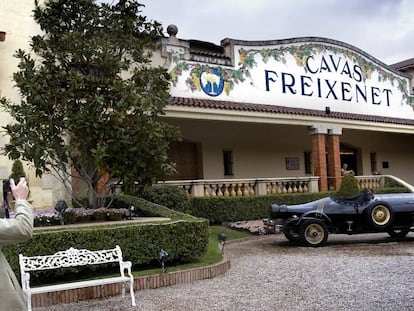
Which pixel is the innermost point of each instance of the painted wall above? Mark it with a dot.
(300, 72)
(17, 21)
(259, 150)
(394, 148)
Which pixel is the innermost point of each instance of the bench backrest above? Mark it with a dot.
(70, 258)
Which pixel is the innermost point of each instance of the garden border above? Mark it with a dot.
(140, 283)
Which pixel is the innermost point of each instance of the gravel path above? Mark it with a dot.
(364, 272)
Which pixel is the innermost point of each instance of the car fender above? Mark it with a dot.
(366, 208)
(315, 215)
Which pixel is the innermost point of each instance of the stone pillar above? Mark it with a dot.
(261, 188)
(334, 159)
(197, 190)
(319, 156)
(173, 49)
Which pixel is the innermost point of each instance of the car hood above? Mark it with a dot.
(282, 211)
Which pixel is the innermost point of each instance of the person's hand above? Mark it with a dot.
(21, 191)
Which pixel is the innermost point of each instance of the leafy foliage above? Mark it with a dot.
(225, 209)
(183, 237)
(17, 170)
(90, 98)
(169, 196)
(349, 186)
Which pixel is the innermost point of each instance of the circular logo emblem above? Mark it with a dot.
(212, 82)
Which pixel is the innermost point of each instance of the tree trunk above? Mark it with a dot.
(92, 198)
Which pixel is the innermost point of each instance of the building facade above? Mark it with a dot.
(287, 108)
(16, 28)
(252, 111)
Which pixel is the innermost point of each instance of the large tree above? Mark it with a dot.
(90, 99)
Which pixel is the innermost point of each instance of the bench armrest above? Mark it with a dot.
(125, 266)
(25, 281)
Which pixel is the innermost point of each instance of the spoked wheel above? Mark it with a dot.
(313, 233)
(398, 233)
(380, 216)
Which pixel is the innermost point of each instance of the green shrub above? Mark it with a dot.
(391, 190)
(349, 186)
(168, 195)
(17, 170)
(224, 209)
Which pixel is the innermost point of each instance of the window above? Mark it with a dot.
(373, 158)
(308, 162)
(228, 162)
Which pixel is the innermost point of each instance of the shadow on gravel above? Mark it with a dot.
(374, 244)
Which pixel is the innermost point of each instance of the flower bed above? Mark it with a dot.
(77, 215)
(80, 214)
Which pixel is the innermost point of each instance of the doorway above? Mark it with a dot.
(186, 156)
(349, 156)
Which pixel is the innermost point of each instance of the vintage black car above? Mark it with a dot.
(310, 223)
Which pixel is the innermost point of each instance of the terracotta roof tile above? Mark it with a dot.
(239, 106)
(409, 63)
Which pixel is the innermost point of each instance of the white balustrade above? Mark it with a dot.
(370, 182)
(267, 186)
(246, 187)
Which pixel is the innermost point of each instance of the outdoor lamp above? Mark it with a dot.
(222, 239)
(163, 257)
(60, 207)
(131, 211)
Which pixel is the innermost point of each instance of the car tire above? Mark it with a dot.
(380, 216)
(398, 233)
(313, 233)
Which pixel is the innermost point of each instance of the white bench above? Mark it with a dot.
(72, 258)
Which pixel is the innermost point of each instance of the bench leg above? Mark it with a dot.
(29, 301)
(131, 290)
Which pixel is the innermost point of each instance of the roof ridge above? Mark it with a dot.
(267, 108)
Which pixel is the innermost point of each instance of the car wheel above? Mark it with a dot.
(380, 216)
(398, 233)
(313, 233)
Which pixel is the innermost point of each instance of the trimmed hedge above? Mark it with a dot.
(225, 209)
(391, 190)
(184, 236)
(349, 186)
(168, 195)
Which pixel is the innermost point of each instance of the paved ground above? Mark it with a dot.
(363, 272)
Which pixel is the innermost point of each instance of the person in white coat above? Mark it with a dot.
(14, 230)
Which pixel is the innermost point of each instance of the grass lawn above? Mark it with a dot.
(212, 256)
